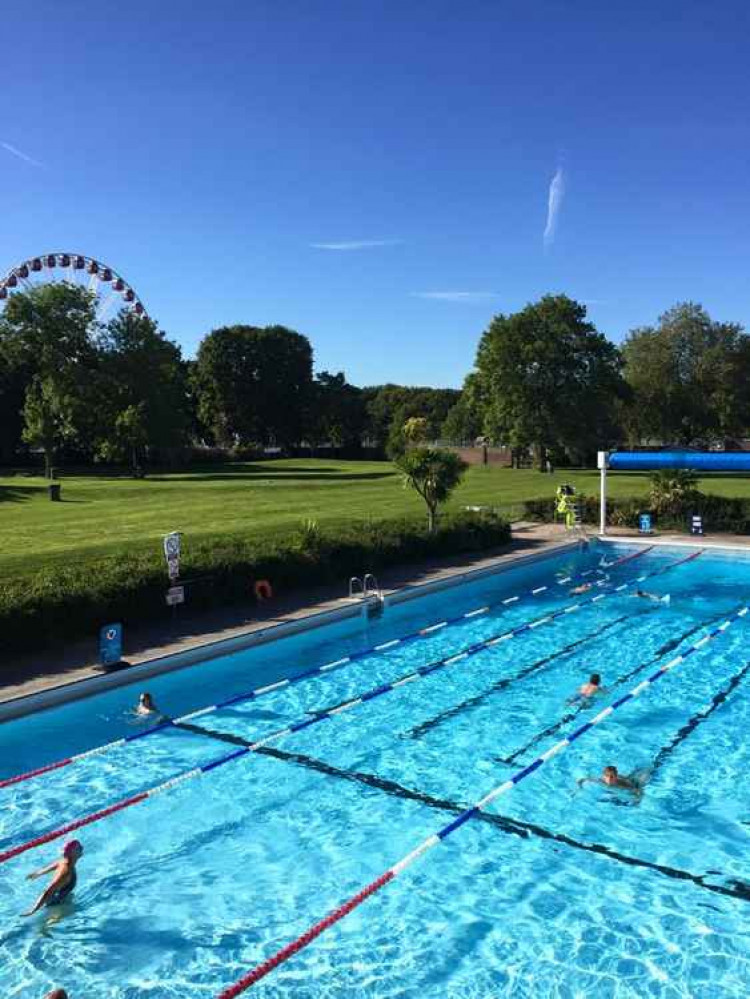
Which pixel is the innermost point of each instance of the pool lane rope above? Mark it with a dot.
(261, 970)
(317, 717)
(306, 675)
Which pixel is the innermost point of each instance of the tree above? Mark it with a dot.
(434, 474)
(390, 406)
(689, 378)
(463, 424)
(672, 491)
(547, 378)
(143, 403)
(47, 418)
(254, 384)
(50, 333)
(415, 430)
(14, 380)
(337, 411)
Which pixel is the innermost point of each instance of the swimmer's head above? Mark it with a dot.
(57, 994)
(609, 775)
(73, 849)
(595, 679)
(146, 701)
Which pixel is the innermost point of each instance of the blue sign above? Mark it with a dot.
(110, 644)
(644, 523)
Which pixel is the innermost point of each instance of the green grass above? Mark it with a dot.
(103, 515)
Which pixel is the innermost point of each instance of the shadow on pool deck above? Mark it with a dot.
(28, 674)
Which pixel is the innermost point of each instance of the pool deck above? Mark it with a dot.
(33, 673)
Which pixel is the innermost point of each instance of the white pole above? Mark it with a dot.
(603, 457)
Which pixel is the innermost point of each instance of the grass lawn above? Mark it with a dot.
(102, 515)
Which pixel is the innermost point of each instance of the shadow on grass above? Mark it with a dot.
(287, 473)
(17, 494)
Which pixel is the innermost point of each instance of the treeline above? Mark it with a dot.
(546, 381)
(121, 392)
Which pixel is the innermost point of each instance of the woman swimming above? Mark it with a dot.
(64, 880)
(146, 706)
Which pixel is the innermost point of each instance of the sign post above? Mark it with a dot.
(172, 554)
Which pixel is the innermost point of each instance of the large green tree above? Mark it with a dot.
(548, 379)
(254, 384)
(690, 376)
(390, 406)
(49, 333)
(143, 404)
(337, 411)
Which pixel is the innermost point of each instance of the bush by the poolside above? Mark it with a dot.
(719, 513)
(73, 601)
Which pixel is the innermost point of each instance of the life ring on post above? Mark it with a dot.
(263, 590)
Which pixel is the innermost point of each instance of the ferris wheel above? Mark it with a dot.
(109, 288)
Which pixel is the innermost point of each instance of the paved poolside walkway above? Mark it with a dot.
(29, 674)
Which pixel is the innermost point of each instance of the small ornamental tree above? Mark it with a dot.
(434, 474)
(673, 491)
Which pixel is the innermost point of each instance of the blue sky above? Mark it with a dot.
(377, 174)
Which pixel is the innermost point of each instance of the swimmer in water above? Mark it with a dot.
(643, 595)
(57, 994)
(64, 878)
(146, 706)
(611, 777)
(589, 689)
(583, 588)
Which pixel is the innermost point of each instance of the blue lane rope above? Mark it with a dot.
(298, 678)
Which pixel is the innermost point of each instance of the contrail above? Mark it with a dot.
(554, 201)
(21, 156)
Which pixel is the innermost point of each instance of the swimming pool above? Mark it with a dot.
(553, 891)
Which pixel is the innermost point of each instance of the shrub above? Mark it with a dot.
(74, 600)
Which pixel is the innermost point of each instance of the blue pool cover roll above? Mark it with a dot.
(702, 461)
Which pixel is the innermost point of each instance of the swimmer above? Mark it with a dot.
(57, 994)
(589, 689)
(582, 588)
(146, 706)
(643, 595)
(65, 877)
(611, 777)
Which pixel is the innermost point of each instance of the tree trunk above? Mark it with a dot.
(431, 518)
(47, 462)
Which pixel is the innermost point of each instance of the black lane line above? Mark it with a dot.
(514, 827)
(573, 714)
(697, 719)
(471, 702)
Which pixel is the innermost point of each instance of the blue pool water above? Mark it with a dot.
(558, 892)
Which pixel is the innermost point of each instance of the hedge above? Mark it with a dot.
(720, 513)
(73, 601)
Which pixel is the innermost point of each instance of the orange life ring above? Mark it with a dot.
(263, 590)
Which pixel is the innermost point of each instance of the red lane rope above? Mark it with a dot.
(71, 827)
(261, 970)
(34, 773)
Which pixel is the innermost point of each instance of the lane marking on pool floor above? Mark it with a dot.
(261, 970)
(278, 685)
(298, 726)
(576, 710)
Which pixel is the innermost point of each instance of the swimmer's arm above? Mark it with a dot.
(42, 870)
(587, 780)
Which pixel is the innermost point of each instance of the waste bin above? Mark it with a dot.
(54, 491)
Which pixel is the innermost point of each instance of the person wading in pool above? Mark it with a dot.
(146, 706)
(64, 877)
(589, 689)
(611, 777)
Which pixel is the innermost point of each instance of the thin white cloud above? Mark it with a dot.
(356, 244)
(456, 296)
(554, 203)
(21, 155)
